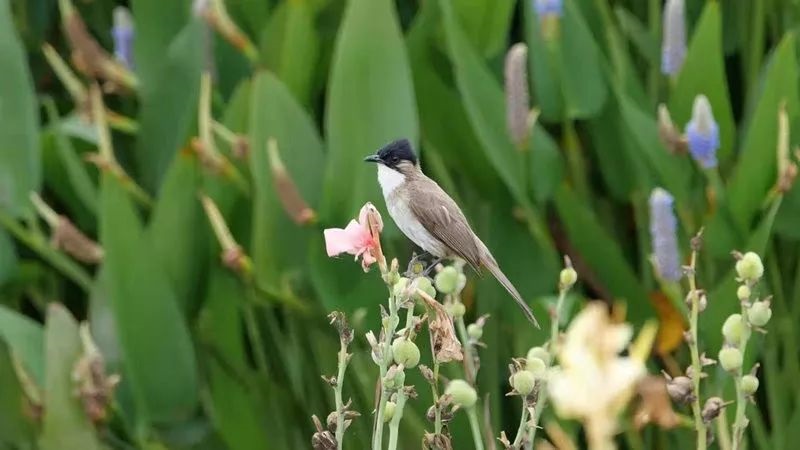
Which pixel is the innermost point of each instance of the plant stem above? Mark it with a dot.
(388, 333)
(437, 425)
(337, 393)
(394, 424)
(741, 422)
(523, 423)
(469, 360)
(699, 425)
(476, 428)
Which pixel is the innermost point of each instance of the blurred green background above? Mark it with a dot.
(214, 358)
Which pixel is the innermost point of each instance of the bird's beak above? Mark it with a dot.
(372, 158)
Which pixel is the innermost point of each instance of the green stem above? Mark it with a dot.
(388, 334)
(699, 425)
(475, 427)
(523, 423)
(256, 340)
(38, 244)
(394, 424)
(741, 422)
(437, 425)
(469, 360)
(337, 392)
(575, 161)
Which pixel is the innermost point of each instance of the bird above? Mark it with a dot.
(430, 218)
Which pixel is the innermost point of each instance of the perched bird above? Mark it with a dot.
(429, 217)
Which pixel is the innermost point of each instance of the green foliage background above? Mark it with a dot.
(332, 81)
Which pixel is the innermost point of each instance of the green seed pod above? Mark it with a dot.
(523, 382)
(743, 293)
(405, 352)
(462, 393)
(388, 411)
(455, 309)
(567, 277)
(447, 280)
(759, 313)
(733, 328)
(750, 268)
(536, 366)
(730, 358)
(749, 384)
(400, 288)
(475, 331)
(424, 284)
(540, 353)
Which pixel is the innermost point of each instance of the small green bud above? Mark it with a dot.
(395, 378)
(447, 280)
(759, 313)
(730, 358)
(462, 393)
(424, 284)
(749, 267)
(523, 382)
(399, 288)
(455, 309)
(405, 352)
(536, 366)
(462, 281)
(743, 293)
(567, 278)
(475, 331)
(733, 328)
(540, 353)
(749, 384)
(392, 277)
(388, 411)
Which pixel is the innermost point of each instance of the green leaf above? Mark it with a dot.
(158, 353)
(602, 255)
(277, 241)
(755, 171)
(177, 242)
(370, 103)
(703, 72)
(16, 430)
(8, 257)
(65, 423)
(169, 105)
(485, 104)
(157, 23)
(20, 171)
(26, 340)
(486, 23)
(290, 47)
(636, 32)
(237, 410)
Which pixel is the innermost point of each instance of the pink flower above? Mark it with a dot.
(359, 238)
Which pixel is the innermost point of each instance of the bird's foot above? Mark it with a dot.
(416, 266)
(431, 266)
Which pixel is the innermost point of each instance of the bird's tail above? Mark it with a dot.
(492, 266)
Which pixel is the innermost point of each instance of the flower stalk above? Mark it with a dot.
(697, 369)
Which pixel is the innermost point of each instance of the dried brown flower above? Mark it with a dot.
(446, 346)
(655, 405)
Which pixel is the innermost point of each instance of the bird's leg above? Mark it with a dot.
(417, 258)
(433, 264)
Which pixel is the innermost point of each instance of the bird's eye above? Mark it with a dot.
(395, 159)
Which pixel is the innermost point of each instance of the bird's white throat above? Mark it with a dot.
(389, 179)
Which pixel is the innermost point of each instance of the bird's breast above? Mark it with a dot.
(407, 221)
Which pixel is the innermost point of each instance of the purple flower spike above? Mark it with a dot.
(548, 7)
(702, 134)
(123, 34)
(663, 233)
(673, 45)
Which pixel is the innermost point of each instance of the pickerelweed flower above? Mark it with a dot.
(673, 43)
(594, 383)
(548, 8)
(663, 233)
(359, 238)
(122, 32)
(702, 133)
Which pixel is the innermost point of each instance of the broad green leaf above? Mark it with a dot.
(16, 430)
(602, 256)
(485, 104)
(703, 72)
(157, 23)
(158, 352)
(237, 409)
(755, 171)
(20, 171)
(486, 23)
(370, 103)
(65, 423)
(277, 242)
(26, 340)
(169, 105)
(636, 32)
(546, 170)
(722, 300)
(178, 243)
(290, 47)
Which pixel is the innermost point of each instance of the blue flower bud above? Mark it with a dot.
(702, 134)
(548, 7)
(673, 44)
(122, 33)
(663, 229)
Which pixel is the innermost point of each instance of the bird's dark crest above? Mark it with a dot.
(400, 149)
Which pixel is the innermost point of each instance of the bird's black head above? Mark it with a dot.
(394, 154)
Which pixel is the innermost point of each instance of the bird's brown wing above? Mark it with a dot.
(440, 215)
